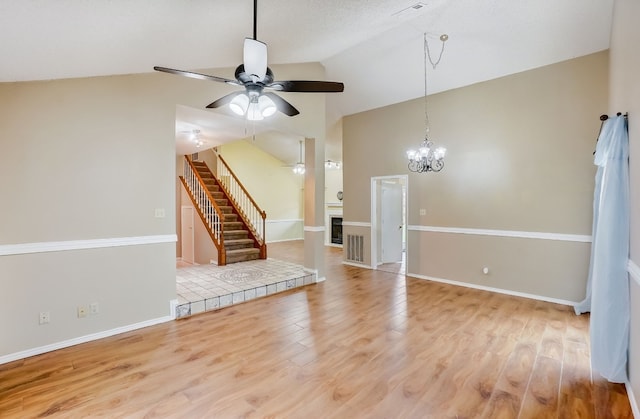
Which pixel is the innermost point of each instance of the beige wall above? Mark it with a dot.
(273, 185)
(91, 159)
(519, 159)
(84, 159)
(332, 184)
(625, 97)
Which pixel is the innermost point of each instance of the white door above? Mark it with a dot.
(391, 222)
(187, 234)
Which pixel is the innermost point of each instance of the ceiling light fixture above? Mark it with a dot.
(330, 164)
(195, 138)
(299, 169)
(254, 106)
(427, 158)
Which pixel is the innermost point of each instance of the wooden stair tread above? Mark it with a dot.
(238, 241)
(244, 251)
(238, 244)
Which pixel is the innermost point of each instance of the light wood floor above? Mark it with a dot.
(363, 343)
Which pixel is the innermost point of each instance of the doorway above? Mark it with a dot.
(388, 223)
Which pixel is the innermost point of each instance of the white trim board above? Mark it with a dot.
(42, 247)
(355, 224)
(293, 220)
(314, 228)
(504, 233)
(496, 290)
(357, 265)
(634, 273)
(632, 400)
(285, 240)
(91, 337)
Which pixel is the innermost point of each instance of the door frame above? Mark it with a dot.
(375, 198)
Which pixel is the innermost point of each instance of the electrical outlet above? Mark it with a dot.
(160, 213)
(423, 211)
(82, 311)
(45, 317)
(94, 308)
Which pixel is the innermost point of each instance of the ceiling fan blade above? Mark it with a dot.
(224, 100)
(255, 58)
(282, 105)
(196, 75)
(308, 86)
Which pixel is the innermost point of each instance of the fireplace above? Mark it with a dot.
(336, 230)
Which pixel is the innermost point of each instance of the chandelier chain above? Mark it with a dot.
(443, 38)
(426, 110)
(427, 158)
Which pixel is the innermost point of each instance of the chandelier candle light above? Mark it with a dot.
(427, 158)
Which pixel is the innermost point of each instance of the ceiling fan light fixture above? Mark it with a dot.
(267, 107)
(253, 112)
(239, 104)
(254, 75)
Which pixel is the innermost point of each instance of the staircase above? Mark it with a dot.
(235, 239)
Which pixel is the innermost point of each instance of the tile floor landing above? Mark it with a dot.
(203, 288)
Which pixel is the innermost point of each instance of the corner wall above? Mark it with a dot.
(625, 97)
(516, 191)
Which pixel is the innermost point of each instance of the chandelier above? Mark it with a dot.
(330, 164)
(298, 169)
(428, 158)
(195, 138)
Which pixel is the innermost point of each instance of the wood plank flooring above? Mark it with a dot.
(362, 344)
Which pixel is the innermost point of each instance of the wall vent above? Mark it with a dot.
(355, 248)
(411, 11)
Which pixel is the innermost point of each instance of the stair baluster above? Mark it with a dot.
(248, 209)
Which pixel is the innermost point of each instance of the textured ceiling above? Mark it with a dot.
(376, 52)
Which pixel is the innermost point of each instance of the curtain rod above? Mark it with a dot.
(604, 117)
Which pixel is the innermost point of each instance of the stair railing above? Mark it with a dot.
(206, 206)
(247, 208)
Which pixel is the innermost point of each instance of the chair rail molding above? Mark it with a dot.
(59, 246)
(504, 233)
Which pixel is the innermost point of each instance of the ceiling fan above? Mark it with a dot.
(256, 77)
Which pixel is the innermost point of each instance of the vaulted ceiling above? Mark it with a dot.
(373, 46)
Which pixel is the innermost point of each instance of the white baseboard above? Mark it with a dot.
(632, 400)
(496, 290)
(357, 265)
(285, 240)
(91, 337)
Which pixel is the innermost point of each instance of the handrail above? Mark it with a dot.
(206, 206)
(246, 206)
